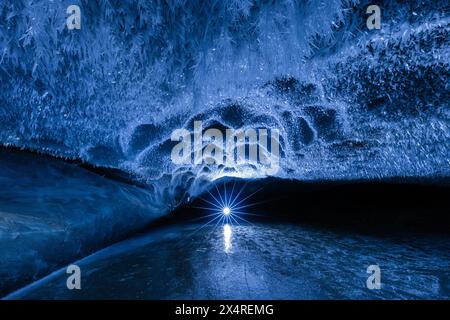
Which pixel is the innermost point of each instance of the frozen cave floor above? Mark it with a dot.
(256, 261)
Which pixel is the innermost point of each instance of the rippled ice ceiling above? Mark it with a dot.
(350, 103)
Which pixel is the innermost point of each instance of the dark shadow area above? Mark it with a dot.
(396, 205)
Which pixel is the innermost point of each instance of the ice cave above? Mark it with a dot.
(88, 116)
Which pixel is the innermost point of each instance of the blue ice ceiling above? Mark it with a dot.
(350, 103)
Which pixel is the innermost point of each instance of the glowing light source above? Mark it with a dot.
(226, 208)
(226, 211)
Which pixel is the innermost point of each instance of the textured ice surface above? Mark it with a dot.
(349, 102)
(52, 212)
(258, 261)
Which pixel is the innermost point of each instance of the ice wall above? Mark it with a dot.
(52, 212)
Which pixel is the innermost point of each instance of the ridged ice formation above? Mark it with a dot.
(350, 103)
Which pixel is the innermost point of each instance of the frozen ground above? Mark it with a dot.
(257, 261)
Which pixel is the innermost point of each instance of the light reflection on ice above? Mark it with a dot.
(227, 233)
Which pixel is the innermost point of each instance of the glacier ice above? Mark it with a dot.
(350, 103)
(52, 212)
